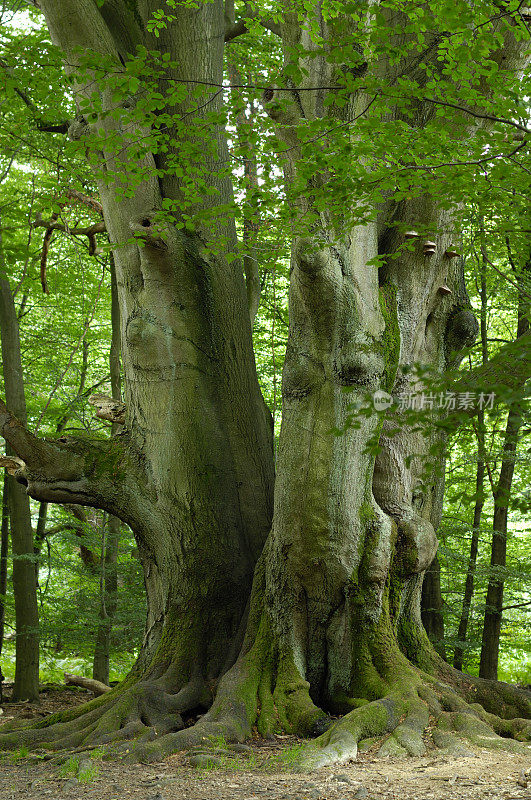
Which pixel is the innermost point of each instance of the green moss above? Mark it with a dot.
(178, 647)
(341, 703)
(395, 590)
(70, 714)
(297, 713)
(391, 337)
(133, 6)
(106, 460)
(364, 745)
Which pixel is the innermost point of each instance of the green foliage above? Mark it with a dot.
(70, 767)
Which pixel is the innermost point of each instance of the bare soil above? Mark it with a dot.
(262, 772)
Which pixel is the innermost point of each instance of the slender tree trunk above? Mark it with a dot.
(108, 599)
(432, 606)
(109, 553)
(40, 535)
(468, 594)
(480, 476)
(24, 580)
(490, 645)
(4, 553)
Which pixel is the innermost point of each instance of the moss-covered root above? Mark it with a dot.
(404, 717)
(405, 720)
(456, 731)
(140, 710)
(264, 688)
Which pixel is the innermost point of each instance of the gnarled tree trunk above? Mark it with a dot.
(192, 471)
(334, 615)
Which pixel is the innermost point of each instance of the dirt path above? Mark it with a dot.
(493, 775)
(489, 775)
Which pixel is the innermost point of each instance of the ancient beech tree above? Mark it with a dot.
(276, 617)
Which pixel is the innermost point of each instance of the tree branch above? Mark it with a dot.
(27, 446)
(45, 126)
(70, 470)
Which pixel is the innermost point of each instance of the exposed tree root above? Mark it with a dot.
(416, 712)
(138, 710)
(411, 723)
(408, 712)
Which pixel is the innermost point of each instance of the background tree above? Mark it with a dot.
(24, 578)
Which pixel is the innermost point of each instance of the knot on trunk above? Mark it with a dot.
(309, 257)
(78, 128)
(148, 232)
(461, 331)
(12, 464)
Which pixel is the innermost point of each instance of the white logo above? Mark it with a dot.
(381, 400)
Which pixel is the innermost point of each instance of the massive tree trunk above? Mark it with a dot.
(334, 616)
(192, 471)
(26, 685)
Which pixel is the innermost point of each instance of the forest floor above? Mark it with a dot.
(261, 771)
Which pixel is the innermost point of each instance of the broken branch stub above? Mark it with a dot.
(12, 464)
(108, 409)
